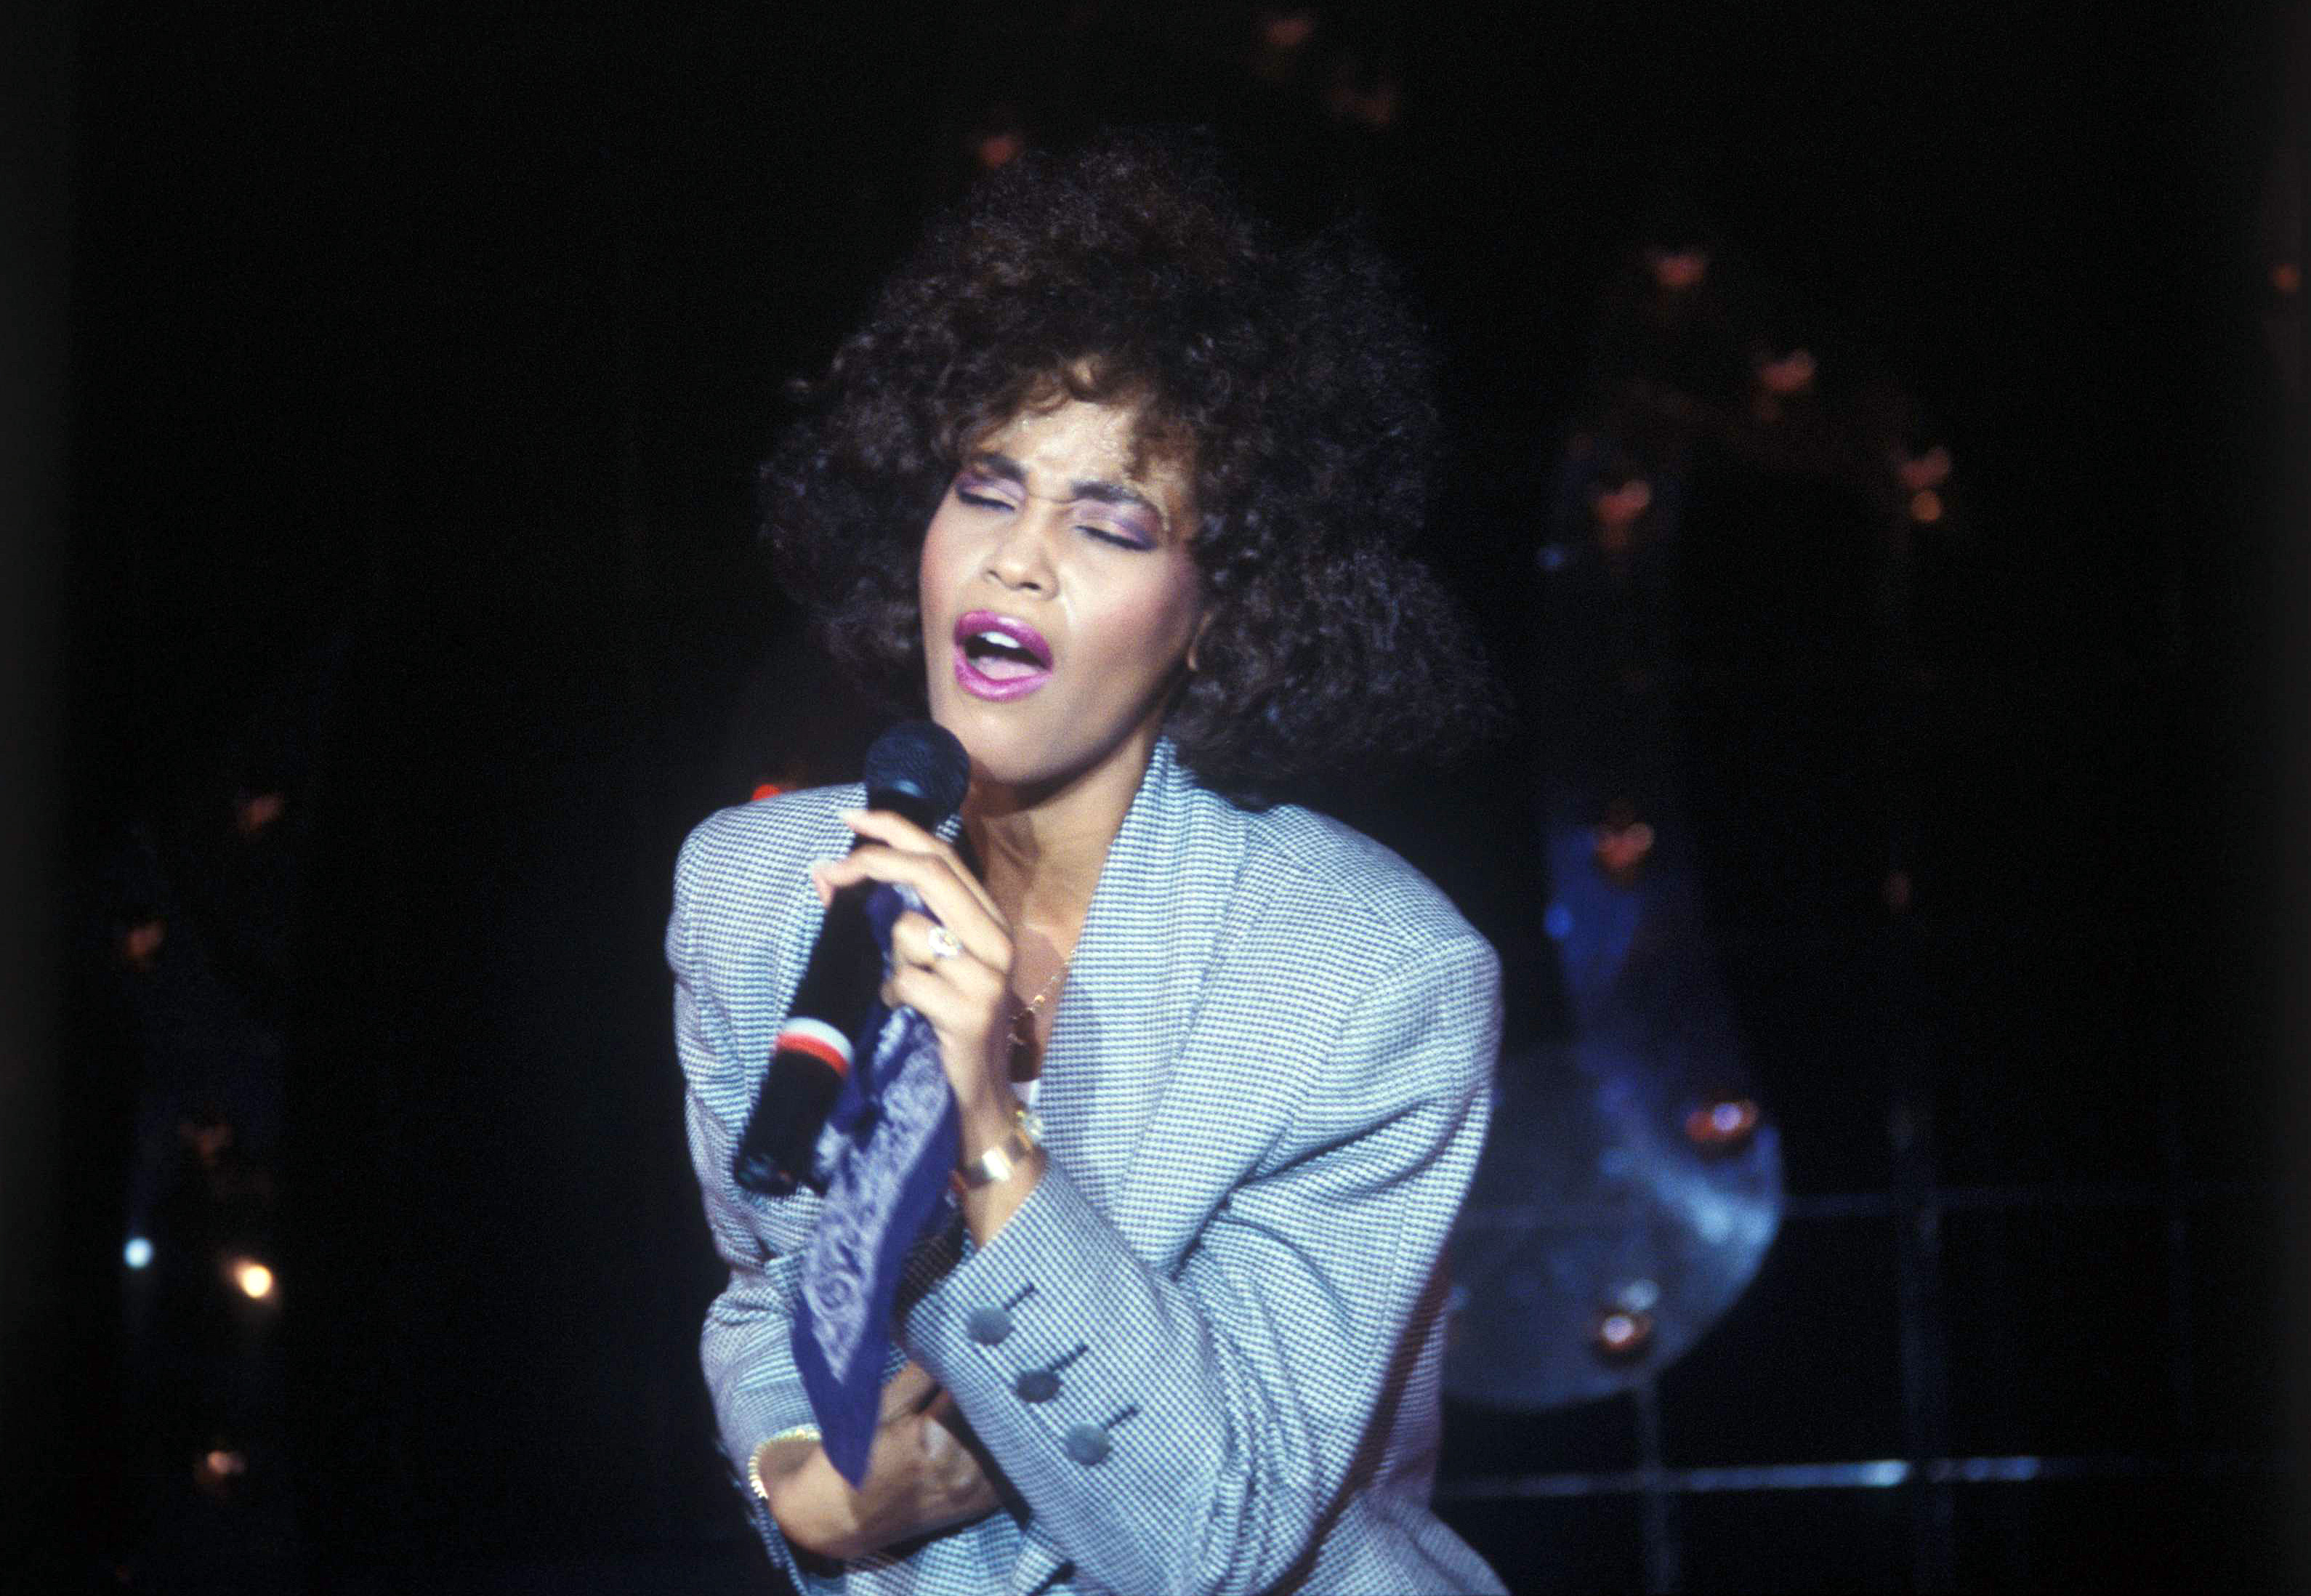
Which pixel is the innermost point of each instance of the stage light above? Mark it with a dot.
(140, 944)
(1287, 30)
(2287, 277)
(254, 1279)
(1928, 470)
(1617, 512)
(1792, 373)
(215, 1471)
(138, 1253)
(1621, 1334)
(206, 1137)
(1723, 1124)
(1925, 507)
(1638, 1296)
(1620, 846)
(253, 815)
(764, 790)
(1625, 503)
(1676, 270)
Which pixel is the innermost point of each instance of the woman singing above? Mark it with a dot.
(1112, 481)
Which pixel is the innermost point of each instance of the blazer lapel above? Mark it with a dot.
(1131, 991)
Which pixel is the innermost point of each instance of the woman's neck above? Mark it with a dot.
(1041, 854)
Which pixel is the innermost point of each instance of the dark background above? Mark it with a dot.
(418, 361)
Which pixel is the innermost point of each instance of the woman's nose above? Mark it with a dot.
(1022, 559)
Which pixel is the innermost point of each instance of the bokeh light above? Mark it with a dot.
(252, 1277)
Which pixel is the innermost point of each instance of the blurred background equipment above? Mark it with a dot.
(1619, 1211)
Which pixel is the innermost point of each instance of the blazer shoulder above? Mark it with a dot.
(735, 845)
(1331, 869)
(739, 862)
(1395, 996)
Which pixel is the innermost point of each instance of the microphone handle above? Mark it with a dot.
(813, 1053)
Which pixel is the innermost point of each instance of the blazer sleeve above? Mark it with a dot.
(1209, 1422)
(744, 1346)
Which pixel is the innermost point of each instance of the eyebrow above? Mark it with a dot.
(1099, 492)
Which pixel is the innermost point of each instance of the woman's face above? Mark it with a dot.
(1059, 599)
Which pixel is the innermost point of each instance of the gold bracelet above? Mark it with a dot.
(1000, 1163)
(755, 1463)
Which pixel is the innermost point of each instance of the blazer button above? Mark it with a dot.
(1088, 1444)
(988, 1325)
(1041, 1385)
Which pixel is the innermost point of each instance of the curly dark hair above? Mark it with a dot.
(1290, 374)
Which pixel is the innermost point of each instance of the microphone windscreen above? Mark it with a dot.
(921, 762)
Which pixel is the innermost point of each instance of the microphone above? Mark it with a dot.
(918, 769)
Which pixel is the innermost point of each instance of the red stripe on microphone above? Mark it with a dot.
(819, 1042)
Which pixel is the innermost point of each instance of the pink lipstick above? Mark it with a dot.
(998, 657)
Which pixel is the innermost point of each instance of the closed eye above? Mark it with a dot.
(1119, 539)
(983, 501)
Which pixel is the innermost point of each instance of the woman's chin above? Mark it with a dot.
(1030, 751)
(1000, 755)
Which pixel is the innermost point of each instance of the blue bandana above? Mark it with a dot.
(885, 1153)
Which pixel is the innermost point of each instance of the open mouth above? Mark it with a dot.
(999, 657)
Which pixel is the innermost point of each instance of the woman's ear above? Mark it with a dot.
(1203, 624)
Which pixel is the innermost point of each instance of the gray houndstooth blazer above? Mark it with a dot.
(1266, 1090)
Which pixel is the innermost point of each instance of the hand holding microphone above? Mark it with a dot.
(916, 771)
(952, 965)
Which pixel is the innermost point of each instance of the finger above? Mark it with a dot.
(907, 1390)
(888, 825)
(960, 1479)
(950, 899)
(964, 878)
(918, 939)
(896, 830)
(942, 1411)
(962, 1001)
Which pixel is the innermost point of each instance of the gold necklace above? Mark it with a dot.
(1023, 1023)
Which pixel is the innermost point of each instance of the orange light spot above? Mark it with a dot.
(253, 815)
(141, 943)
(214, 1471)
(1624, 504)
(1928, 470)
(1621, 849)
(1723, 1124)
(1793, 373)
(2287, 277)
(768, 789)
(1621, 1333)
(254, 1279)
(1675, 271)
(1926, 506)
(1286, 30)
